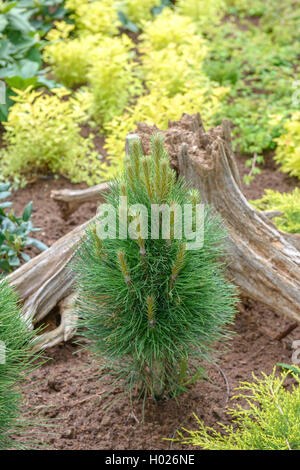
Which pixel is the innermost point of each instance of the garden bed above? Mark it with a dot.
(66, 393)
(95, 69)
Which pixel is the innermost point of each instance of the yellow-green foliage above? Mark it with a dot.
(168, 28)
(60, 30)
(288, 203)
(172, 54)
(138, 11)
(173, 74)
(71, 58)
(175, 68)
(256, 7)
(113, 77)
(157, 108)
(288, 149)
(270, 421)
(95, 16)
(43, 134)
(204, 12)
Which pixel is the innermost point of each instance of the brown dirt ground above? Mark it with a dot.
(65, 392)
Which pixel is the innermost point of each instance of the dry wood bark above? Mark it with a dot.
(69, 200)
(44, 282)
(265, 263)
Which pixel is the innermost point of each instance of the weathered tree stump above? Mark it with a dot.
(265, 263)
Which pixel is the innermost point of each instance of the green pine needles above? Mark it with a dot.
(16, 361)
(148, 306)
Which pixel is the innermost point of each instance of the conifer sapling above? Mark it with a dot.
(16, 362)
(149, 306)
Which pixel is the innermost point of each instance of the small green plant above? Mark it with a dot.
(269, 421)
(150, 307)
(70, 58)
(43, 134)
(113, 78)
(254, 169)
(206, 13)
(14, 233)
(22, 27)
(185, 62)
(168, 28)
(16, 362)
(94, 16)
(288, 149)
(287, 203)
(136, 11)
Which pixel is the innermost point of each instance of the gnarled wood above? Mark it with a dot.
(265, 263)
(67, 328)
(69, 200)
(44, 282)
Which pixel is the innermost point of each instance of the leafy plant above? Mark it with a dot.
(16, 362)
(260, 72)
(287, 203)
(186, 68)
(290, 367)
(113, 78)
(43, 134)
(150, 307)
(288, 149)
(136, 11)
(168, 28)
(269, 421)
(206, 13)
(254, 169)
(14, 233)
(70, 58)
(95, 17)
(22, 25)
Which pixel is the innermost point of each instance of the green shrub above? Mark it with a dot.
(185, 63)
(69, 60)
(137, 11)
(94, 17)
(288, 147)
(22, 26)
(14, 233)
(70, 57)
(168, 28)
(148, 306)
(16, 362)
(269, 421)
(42, 134)
(287, 203)
(260, 71)
(113, 78)
(206, 13)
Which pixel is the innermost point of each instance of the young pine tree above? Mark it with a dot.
(16, 361)
(151, 308)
